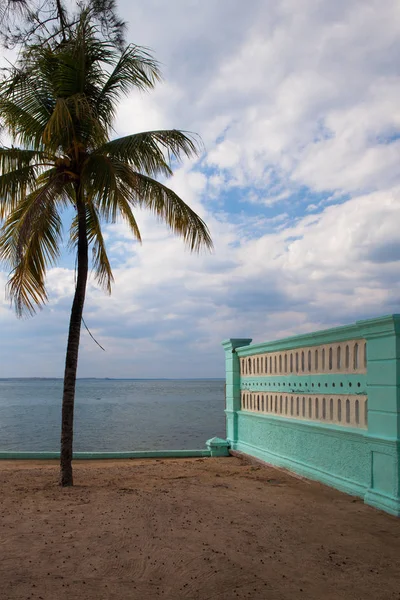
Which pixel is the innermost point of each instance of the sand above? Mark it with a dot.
(193, 528)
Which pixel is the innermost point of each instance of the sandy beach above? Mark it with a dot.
(200, 529)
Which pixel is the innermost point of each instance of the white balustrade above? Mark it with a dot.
(343, 357)
(337, 409)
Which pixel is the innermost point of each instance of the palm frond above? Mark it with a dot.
(18, 172)
(127, 215)
(59, 128)
(14, 186)
(136, 68)
(108, 182)
(54, 91)
(59, 103)
(99, 181)
(90, 130)
(173, 211)
(29, 243)
(151, 152)
(24, 126)
(101, 264)
(14, 158)
(26, 102)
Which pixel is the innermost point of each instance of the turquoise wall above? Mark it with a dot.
(335, 456)
(363, 462)
(215, 447)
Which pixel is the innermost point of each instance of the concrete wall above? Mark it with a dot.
(326, 405)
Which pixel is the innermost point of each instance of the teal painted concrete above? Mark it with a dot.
(234, 343)
(108, 455)
(365, 463)
(383, 384)
(304, 384)
(218, 446)
(384, 398)
(321, 428)
(383, 424)
(339, 334)
(384, 372)
(387, 326)
(331, 454)
(232, 388)
(309, 449)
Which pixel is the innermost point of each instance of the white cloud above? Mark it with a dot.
(290, 97)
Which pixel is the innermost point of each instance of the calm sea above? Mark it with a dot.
(113, 415)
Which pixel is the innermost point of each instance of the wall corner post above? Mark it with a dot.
(383, 388)
(232, 385)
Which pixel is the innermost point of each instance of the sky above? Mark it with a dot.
(297, 103)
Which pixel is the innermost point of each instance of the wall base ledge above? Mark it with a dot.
(393, 443)
(384, 502)
(317, 427)
(106, 455)
(344, 485)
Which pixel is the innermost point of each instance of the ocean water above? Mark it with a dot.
(112, 414)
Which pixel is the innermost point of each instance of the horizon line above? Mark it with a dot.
(120, 378)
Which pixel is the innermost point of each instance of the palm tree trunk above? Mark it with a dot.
(71, 360)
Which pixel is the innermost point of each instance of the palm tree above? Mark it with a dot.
(59, 104)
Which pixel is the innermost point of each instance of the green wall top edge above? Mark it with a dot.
(387, 324)
(105, 455)
(315, 338)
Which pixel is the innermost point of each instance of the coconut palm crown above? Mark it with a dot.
(59, 104)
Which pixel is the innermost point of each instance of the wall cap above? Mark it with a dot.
(380, 326)
(233, 343)
(217, 442)
(369, 328)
